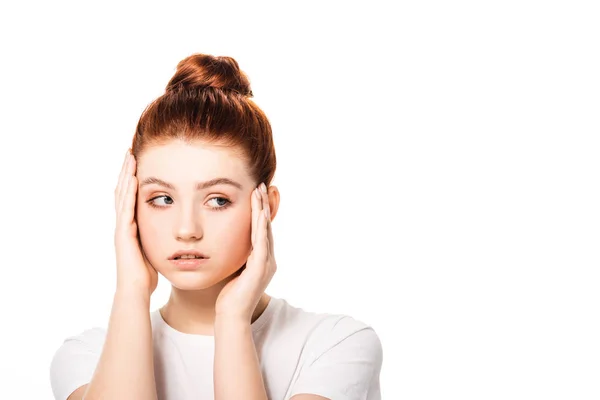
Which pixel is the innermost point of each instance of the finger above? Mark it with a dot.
(256, 209)
(261, 249)
(253, 205)
(266, 209)
(128, 205)
(270, 236)
(132, 196)
(267, 213)
(265, 199)
(266, 229)
(129, 195)
(125, 185)
(127, 173)
(119, 187)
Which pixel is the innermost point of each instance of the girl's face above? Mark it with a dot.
(172, 214)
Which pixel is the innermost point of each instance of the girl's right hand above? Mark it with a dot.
(134, 272)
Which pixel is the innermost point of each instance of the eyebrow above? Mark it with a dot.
(199, 185)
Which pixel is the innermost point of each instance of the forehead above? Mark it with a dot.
(179, 161)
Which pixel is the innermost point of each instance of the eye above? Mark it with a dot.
(153, 204)
(222, 204)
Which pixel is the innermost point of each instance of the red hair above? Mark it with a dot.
(209, 100)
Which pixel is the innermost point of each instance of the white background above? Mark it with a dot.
(438, 164)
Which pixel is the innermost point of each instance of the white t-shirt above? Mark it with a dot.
(334, 356)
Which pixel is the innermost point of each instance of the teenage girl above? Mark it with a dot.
(194, 203)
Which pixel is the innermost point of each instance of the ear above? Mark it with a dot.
(274, 198)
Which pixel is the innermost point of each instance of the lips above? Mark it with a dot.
(197, 255)
(189, 258)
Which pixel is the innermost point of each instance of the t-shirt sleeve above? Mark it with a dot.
(345, 363)
(74, 362)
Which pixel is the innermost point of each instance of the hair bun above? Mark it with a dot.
(199, 71)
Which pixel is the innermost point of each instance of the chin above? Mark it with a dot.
(191, 284)
(197, 279)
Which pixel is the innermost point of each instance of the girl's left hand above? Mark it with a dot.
(239, 298)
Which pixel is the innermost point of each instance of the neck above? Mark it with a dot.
(193, 311)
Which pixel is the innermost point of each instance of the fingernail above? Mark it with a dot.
(257, 194)
(263, 187)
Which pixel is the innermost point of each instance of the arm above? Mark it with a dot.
(121, 366)
(235, 353)
(126, 366)
(78, 393)
(236, 367)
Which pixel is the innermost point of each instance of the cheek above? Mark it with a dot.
(234, 230)
(149, 231)
(148, 234)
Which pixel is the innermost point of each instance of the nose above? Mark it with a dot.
(189, 227)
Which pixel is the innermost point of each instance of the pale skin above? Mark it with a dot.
(231, 224)
(222, 221)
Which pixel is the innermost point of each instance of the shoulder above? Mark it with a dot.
(334, 323)
(75, 360)
(347, 336)
(89, 340)
(341, 358)
(325, 331)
